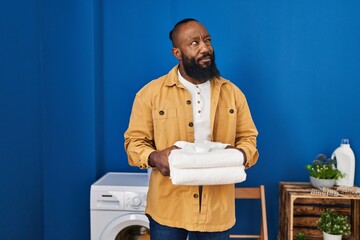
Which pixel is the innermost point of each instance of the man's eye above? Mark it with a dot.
(208, 40)
(194, 43)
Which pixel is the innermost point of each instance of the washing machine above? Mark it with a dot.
(117, 207)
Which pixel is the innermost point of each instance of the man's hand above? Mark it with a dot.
(159, 159)
(242, 151)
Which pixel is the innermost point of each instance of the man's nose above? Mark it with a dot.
(205, 47)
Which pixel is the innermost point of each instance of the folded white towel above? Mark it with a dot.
(207, 176)
(205, 146)
(180, 158)
(208, 163)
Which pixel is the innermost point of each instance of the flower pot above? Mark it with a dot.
(328, 236)
(319, 183)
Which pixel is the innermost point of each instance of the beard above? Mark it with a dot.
(195, 70)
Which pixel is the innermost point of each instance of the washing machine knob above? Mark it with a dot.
(136, 201)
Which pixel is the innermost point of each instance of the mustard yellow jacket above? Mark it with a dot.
(162, 115)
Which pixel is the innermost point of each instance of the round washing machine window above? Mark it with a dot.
(134, 233)
(128, 227)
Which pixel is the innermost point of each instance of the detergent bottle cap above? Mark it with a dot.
(345, 141)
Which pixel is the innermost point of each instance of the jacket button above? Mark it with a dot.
(188, 102)
(196, 196)
(191, 124)
(231, 110)
(161, 112)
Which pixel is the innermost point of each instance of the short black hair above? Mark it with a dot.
(175, 29)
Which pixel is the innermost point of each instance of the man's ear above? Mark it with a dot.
(176, 52)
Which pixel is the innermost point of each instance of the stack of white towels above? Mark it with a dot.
(207, 163)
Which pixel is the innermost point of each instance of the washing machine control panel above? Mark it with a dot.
(135, 201)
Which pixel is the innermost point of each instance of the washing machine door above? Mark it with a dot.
(127, 227)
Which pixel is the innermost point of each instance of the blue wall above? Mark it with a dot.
(21, 189)
(68, 117)
(48, 119)
(70, 69)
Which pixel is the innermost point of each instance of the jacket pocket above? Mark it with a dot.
(166, 128)
(225, 125)
(228, 112)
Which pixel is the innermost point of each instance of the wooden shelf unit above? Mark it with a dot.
(299, 211)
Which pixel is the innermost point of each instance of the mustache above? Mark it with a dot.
(205, 56)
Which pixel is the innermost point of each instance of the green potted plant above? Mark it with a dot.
(323, 172)
(333, 225)
(300, 236)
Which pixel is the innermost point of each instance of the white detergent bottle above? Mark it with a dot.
(345, 159)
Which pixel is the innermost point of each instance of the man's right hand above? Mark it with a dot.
(160, 160)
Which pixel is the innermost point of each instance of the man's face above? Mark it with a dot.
(201, 72)
(197, 53)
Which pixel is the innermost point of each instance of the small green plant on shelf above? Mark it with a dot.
(300, 236)
(334, 223)
(324, 168)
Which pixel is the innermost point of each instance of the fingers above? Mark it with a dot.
(160, 160)
(229, 146)
(165, 171)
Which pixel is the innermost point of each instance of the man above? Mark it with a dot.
(191, 103)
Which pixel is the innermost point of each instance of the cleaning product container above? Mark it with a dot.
(345, 159)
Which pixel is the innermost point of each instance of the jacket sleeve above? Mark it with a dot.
(246, 132)
(139, 135)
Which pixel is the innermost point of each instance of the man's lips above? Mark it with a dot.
(205, 59)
